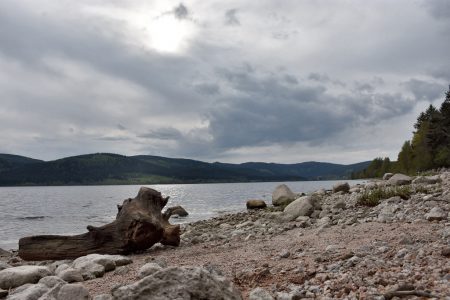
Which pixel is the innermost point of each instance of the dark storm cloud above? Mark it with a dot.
(318, 77)
(364, 87)
(113, 138)
(290, 79)
(207, 88)
(163, 133)
(442, 73)
(425, 91)
(181, 12)
(439, 8)
(231, 18)
(270, 112)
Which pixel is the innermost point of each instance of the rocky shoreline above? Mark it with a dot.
(386, 239)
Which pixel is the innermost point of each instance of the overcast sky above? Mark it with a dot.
(232, 81)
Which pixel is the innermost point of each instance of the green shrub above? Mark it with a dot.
(373, 197)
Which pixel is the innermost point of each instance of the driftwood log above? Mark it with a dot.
(139, 224)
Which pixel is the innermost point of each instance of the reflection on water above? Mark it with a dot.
(68, 210)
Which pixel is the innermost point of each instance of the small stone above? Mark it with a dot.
(256, 204)
(387, 176)
(446, 252)
(436, 214)
(401, 253)
(122, 270)
(157, 260)
(285, 254)
(71, 275)
(259, 294)
(331, 248)
(103, 297)
(148, 269)
(340, 204)
(51, 281)
(74, 291)
(341, 187)
(248, 237)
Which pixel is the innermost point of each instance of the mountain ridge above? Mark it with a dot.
(110, 168)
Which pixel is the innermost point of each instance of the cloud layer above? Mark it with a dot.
(234, 81)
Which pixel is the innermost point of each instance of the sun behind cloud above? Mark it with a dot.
(168, 34)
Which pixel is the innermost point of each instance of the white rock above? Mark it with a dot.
(120, 260)
(17, 276)
(387, 176)
(71, 275)
(29, 292)
(341, 187)
(183, 283)
(259, 294)
(436, 214)
(148, 269)
(61, 268)
(427, 179)
(103, 297)
(51, 281)
(107, 261)
(282, 195)
(399, 179)
(302, 206)
(74, 291)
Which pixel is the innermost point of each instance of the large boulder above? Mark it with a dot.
(303, 206)
(17, 276)
(387, 176)
(180, 283)
(29, 292)
(282, 195)
(399, 179)
(95, 265)
(341, 187)
(256, 204)
(427, 180)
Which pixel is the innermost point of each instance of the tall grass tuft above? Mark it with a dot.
(374, 197)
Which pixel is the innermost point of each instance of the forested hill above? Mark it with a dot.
(105, 168)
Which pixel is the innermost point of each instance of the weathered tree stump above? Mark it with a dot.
(139, 225)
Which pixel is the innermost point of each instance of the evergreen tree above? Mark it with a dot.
(405, 158)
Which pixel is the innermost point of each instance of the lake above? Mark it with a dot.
(28, 211)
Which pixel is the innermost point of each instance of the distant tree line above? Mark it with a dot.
(428, 149)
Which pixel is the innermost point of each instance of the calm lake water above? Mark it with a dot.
(28, 211)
